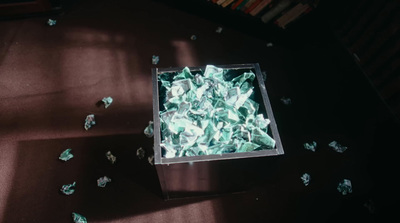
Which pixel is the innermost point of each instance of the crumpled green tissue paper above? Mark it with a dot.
(155, 59)
(140, 153)
(66, 155)
(306, 179)
(89, 121)
(337, 147)
(209, 112)
(111, 157)
(68, 189)
(345, 187)
(51, 22)
(102, 181)
(107, 101)
(77, 218)
(149, 130)
(310, 146)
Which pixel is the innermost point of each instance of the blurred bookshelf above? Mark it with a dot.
(272, 20)
(282, 13)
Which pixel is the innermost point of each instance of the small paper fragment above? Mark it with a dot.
(66, 155)
(310, 146)
(140, 153)
(286, 101)
(151, 159)
(68, 189)
(107, 101)
(149, 130)
(306, 179)
(51, 22)
(155, 59)
(337, 147)
(218, 30)
(102, 181)
(89, 121)
(111, 157)
(345, 187)
(78, 218)
(270, 44)
(193, 37)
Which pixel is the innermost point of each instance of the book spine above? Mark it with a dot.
(236, 4)
(289, 14)
(226, 3)
(219, 2)
(274, 11)
(252, 6)
(241, 4)
(259, 7)
(247, 5)
(304, 11)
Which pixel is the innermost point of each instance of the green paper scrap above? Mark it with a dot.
(51, 22)
(210, 113)
(111, 157)
(78, 218)
(345, 187)
(68, 189)
(155, 59)
(151, 159)
(306, 179)
(337, 147)
(310, 146)
(149, 130)
(286, 101)
(102, 181)
(66, 155)
(140, 153)
(107, 101)
(89, 121)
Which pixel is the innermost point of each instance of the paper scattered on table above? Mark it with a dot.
(51, 22)
(66, 155)
(193, 37)
(149, 130)
(208, 113)
(286, 101)
(102, 181)
(344, 187)
(310, 146)
(337, 147)
(151, 159)
(78, 218)
(107, 101)
(140, 153)
(68, 189)
(218, 30)
(270, 44)
(155, 59)
(89, 121)
(111, 157)
(306, 179)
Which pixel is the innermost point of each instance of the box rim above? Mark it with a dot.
(158, 159)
